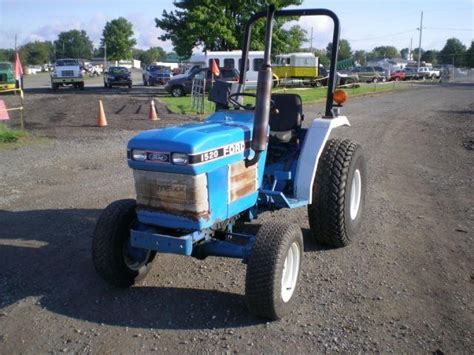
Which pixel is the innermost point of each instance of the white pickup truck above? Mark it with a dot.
(428, 73)
(67, 72)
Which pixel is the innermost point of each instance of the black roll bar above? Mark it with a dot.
(289, 13)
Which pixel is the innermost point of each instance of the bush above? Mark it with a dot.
(9, 135)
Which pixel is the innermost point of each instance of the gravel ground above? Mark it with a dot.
(405, 286)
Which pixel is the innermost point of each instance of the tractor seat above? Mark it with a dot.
(285, 124)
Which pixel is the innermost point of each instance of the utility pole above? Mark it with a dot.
(15, 41)
(105, 56)
(419, 43)
(311, 48)
(410, 54)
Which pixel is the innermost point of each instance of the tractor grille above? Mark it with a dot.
(67, 73)
(3, 78)
(183, 195)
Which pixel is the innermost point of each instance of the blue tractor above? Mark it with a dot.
(195, 182)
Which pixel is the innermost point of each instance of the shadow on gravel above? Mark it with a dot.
(458, 112)
(46, 254)
(459, 85)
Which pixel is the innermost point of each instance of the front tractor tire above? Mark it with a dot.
(335, 214)
(273, 270)
(115, 260)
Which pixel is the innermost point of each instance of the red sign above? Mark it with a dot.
(18, 67)
(214, 68)
(3, 111)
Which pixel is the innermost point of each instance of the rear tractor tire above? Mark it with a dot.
(273, 270)
(335, 214)
(115, 260)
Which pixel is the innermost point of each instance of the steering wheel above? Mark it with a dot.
(232, 99)
(234, 102)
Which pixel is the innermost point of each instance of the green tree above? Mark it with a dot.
(323, 59)
(361, 56)
(384, 52)
(415, 53)
(430, 56)
(470, 56)
(219, 25)
(288, 41)
(118, 36)
(137, 53)
(37, 52)
(453, 52)
(73, 44)
(7, 55)
(345, 51)
(404, 53)
(152, 55)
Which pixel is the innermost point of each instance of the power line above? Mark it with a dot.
(450, 29)
(384, 36)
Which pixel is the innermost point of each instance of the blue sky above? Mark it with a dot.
(364, 23)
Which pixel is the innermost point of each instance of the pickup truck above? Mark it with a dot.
(7, 76)
(156, 75)
(428, 73)
(67, 72)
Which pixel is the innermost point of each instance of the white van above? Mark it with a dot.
(231, 59)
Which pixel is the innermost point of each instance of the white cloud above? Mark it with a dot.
(146, 32)
(144, 28)
(322, 29)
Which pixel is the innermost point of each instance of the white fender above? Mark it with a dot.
(314, 142)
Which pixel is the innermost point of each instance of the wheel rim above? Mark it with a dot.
(291, 269)
(356, 192)
(177, 92)
(135, 258)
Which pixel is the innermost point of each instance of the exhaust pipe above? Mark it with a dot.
(264, 91)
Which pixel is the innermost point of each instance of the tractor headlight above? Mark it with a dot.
(139, 155)
(179, 158)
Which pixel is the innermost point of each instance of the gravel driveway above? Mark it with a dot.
(405, 286)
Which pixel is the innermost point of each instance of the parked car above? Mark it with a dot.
(156, 75)
(397, 75)
(383, 72)
(119, 76)
(411, 74)
(181, 85)
(369, 74)
(346, 78)
(342, 77)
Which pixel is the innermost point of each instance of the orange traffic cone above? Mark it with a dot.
(152, 116)
(101, 120)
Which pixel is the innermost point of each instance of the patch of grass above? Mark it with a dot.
(182, 105)
(8, 135)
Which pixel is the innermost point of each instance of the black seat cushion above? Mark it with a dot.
(286, 117)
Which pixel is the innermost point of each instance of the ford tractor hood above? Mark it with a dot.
(219, 129)
(223, 134)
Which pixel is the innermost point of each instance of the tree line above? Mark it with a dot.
(454, 52)
(219, 25)
(117, 40)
